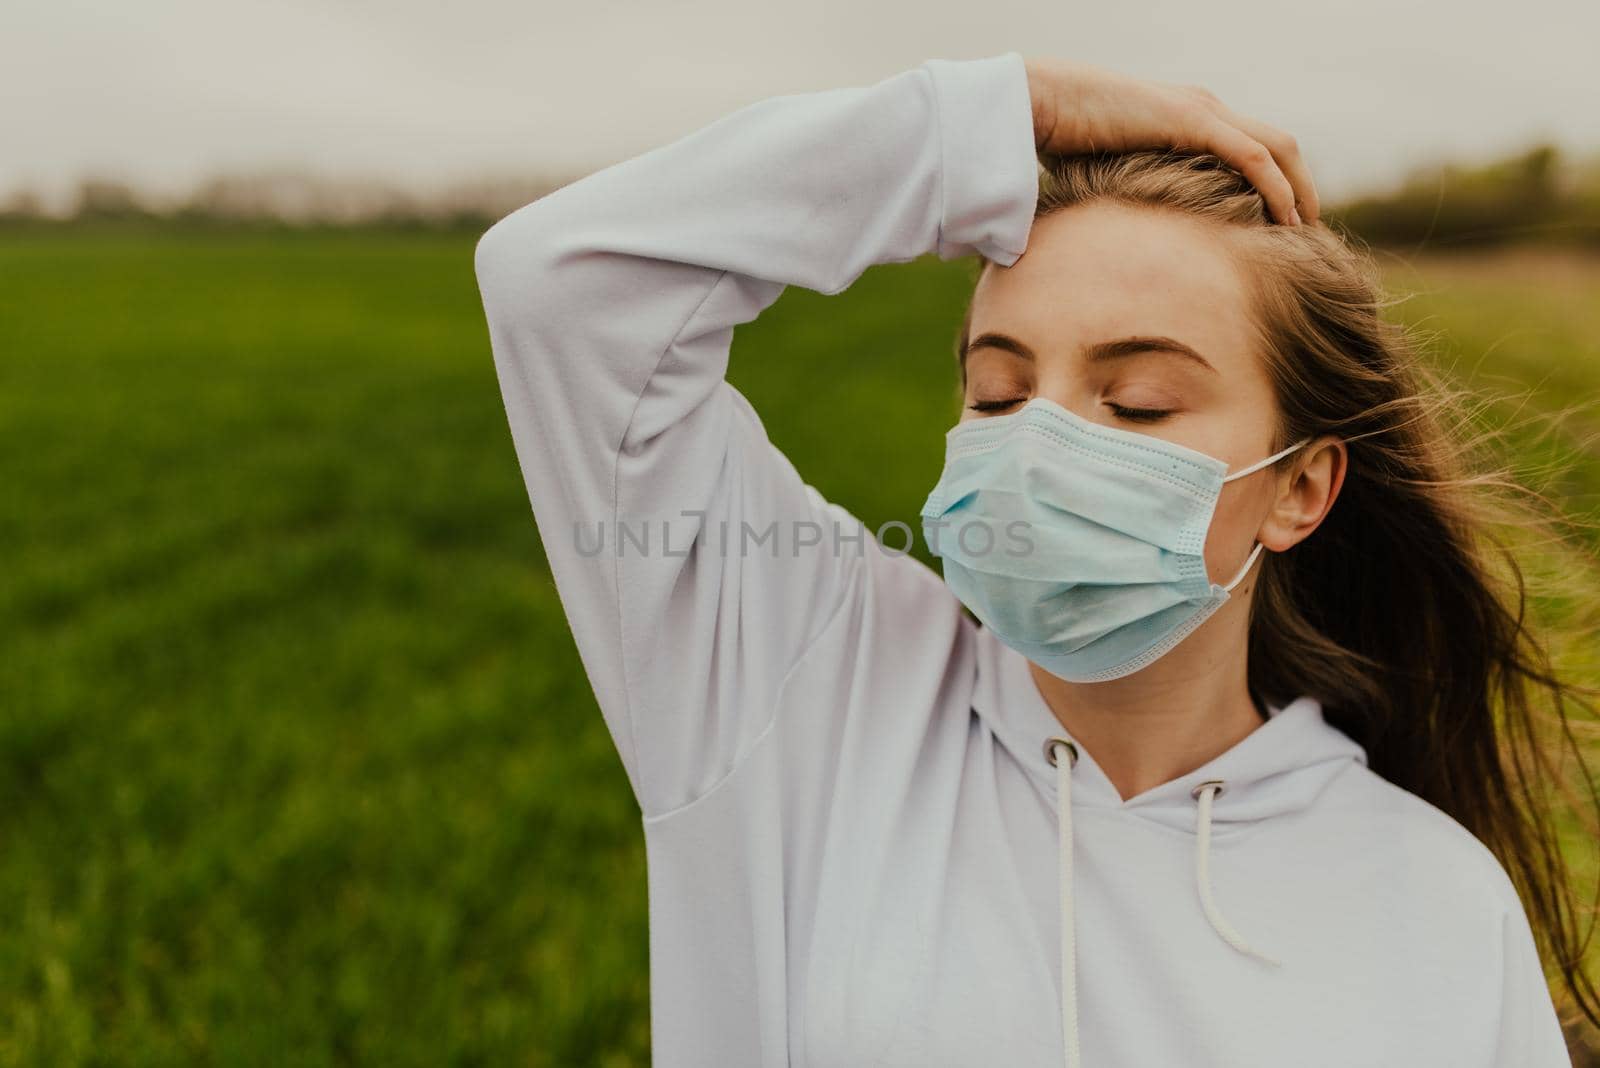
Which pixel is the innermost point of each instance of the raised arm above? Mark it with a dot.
(611, 305)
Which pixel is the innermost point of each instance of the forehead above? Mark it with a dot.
(1098, 271)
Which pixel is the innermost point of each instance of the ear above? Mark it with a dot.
(1305, 493)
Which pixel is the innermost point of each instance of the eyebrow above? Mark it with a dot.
(1104, 350)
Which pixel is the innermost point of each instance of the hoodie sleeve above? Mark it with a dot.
(1530, 1034)
(611, 304)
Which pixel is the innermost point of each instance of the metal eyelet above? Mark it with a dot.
(1050, 751)
(1218, 783)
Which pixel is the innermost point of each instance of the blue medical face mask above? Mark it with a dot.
(1079, 545)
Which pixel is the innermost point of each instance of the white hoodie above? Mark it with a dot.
(852, 831)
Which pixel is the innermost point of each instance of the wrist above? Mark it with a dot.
(1043, 105)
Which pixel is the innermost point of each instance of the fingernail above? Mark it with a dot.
(1294, 216)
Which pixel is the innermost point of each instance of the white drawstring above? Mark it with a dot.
(1202, 872)
(1069, 933)
(1203, 795)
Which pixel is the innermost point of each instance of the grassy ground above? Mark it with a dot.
(297, 760)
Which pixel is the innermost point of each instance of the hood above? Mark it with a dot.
(1280, 767)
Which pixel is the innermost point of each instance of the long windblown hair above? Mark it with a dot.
(1407, 611)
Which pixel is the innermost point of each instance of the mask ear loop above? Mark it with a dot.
(1274, 458)
(1258, 465)
(1248, 561)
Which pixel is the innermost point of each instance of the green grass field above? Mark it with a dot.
(298, 764)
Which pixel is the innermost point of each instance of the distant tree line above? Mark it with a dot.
(1536, 195)
(1540, 194)
(289, 198)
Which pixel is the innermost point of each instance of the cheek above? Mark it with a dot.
(1234, 524)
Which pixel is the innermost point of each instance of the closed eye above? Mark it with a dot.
(1139, 415)
(995, 405)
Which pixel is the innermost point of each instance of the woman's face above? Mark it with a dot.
(1137, 319)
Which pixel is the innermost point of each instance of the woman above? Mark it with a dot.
(1172, 800)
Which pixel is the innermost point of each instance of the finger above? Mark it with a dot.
(1255, 161)
(1286, 150)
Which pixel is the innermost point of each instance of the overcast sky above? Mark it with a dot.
(421, 92)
